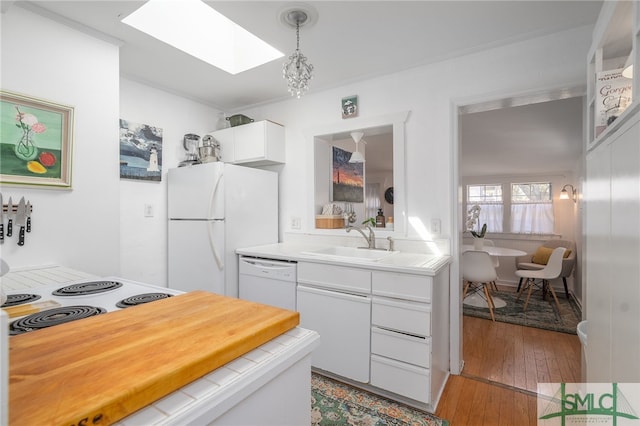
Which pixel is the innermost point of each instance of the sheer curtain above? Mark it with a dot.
(491, 214)
(532, 218)
(371, 199)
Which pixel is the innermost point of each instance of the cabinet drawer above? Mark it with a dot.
(412, 349)
(403, 286)
(403, 379)
(409, 317)
(335, 277)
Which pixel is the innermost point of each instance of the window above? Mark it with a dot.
(525, 208)
(489, 198)
(531, 208)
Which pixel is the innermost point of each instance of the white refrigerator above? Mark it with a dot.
(215, 208)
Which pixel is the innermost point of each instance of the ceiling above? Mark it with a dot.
(349, 41)
(529, 139)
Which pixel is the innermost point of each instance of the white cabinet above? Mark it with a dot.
(616, 44)
(612, 197)
(342, 320)
(335, 301)
(409, 319)
(402, 319)
(612, 206)
(254, 144)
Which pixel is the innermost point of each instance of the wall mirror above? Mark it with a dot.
(382, 173)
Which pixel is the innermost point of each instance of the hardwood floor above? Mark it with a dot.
(503, 365)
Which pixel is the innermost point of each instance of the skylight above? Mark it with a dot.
(201, 31)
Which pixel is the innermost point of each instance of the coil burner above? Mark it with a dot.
(91, 287)
(52, 317)
(19, 299)
(141, 299)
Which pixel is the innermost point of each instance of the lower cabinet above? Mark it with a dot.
(402, 320)
(407, 348)
(343, 322)
(401, 378)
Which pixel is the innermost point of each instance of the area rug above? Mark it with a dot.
(539, 314)
(334, 403)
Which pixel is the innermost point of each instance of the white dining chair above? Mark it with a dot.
(552, 270)
(478, 273)
(496, 262)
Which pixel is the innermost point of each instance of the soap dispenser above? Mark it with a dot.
(380, 219)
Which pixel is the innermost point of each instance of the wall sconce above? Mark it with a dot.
(564, 194)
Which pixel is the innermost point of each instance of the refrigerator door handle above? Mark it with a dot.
(216, 256)
(212, 198)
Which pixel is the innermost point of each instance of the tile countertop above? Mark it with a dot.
(425, 264)
(201, 401)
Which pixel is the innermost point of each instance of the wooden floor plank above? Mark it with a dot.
(503, 365)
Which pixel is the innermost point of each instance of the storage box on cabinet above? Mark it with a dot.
(402, 286)
(403, 379)
(335, 277)
(401, 315)
(403, 347)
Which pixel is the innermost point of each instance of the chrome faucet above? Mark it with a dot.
(371, 239)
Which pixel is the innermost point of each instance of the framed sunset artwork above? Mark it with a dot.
(348, 178)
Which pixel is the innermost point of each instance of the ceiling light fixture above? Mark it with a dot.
(564, 194)
(296, 70)
(357, 157)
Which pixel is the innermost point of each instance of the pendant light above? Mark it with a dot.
(296, 70)
(357, 157)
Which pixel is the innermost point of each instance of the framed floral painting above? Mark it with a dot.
(36, 138)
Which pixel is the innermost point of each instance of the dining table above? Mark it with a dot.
(496, 251)
(475, 299)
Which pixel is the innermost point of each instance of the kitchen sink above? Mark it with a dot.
(351, 253)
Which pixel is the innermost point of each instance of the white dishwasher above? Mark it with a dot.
(267, 281)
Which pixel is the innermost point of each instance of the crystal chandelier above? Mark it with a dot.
(296, 70)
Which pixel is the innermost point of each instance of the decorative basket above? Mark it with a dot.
(329, 222)
(239, 119)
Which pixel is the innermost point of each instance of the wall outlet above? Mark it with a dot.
(435, 226)
(295, 223)
(148, 210)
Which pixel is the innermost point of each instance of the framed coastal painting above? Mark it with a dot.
(36, 139)
(140, 151)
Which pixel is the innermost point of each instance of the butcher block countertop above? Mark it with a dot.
(103, 368)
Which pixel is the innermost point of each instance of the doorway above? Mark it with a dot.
(533, 135)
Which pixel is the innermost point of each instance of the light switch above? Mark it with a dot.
(435, 226)
(295, 223)
(148, 210)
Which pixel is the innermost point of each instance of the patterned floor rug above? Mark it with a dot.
(334, 403)
(539, 314)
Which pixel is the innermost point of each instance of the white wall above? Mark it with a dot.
(143, 248)
(432, 93)
(78, 228)
(429, 92)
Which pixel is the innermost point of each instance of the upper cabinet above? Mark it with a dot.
(255, 144)
(610, 90)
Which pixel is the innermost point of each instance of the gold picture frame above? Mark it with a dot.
(36, 141)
